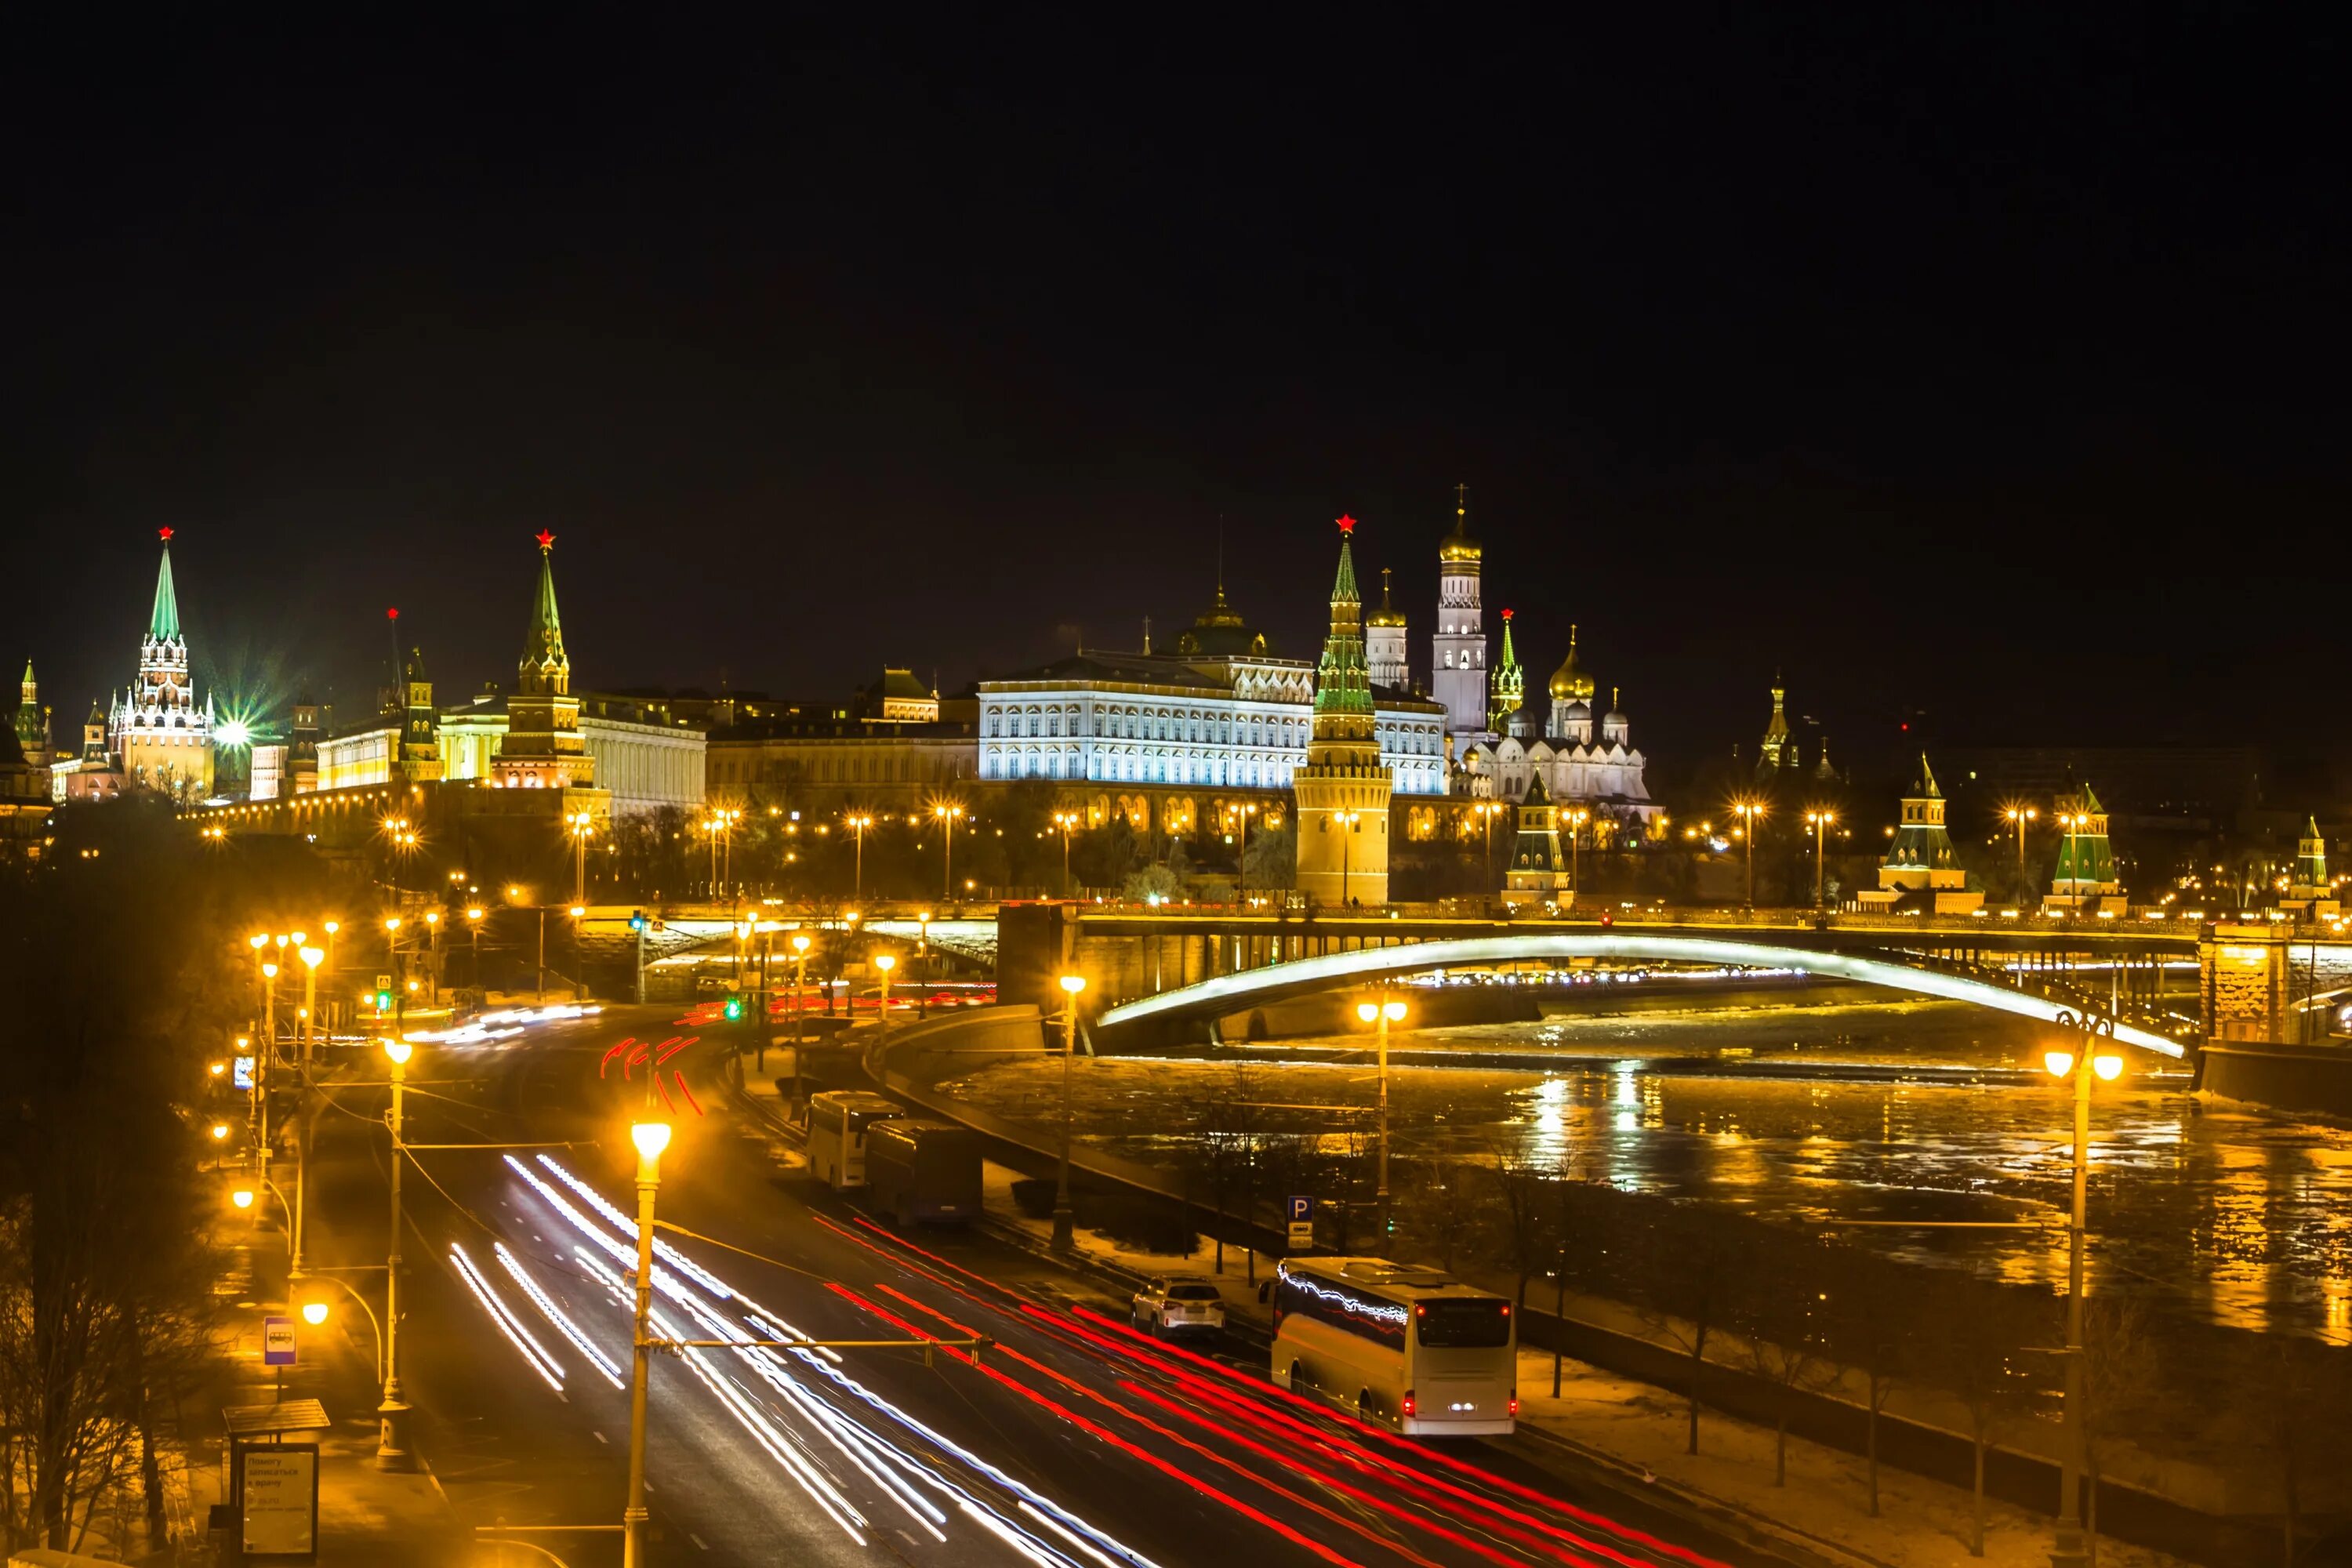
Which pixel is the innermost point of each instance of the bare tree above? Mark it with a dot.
(1781, 1319)
(1980, 1340)
(1444, 1208)
(1226, 1124)
(1518, 1187)
(1873, 1329)
(1690, 1282)
(2118, 1375)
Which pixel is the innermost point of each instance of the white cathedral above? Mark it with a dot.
(1499, 745)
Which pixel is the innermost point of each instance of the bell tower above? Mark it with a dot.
(1343, 791)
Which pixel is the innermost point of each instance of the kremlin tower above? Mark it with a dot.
(542, 749)
(1508, 689)
(1343, 792)
(163, 739)
(1458, 663)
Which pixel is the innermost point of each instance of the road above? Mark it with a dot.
(1070, 1440)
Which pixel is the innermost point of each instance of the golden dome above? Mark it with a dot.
(1568, 682)
(1385, 616)
(1459, 545)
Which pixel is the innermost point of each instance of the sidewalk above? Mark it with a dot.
(1614, 1433)
(367, 1518)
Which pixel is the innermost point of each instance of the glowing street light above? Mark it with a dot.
(651, 1138)
(1750, 812)
(948, 816)
(392, 1443)
(2068, 1547)
(858, 822)
(1065, 1225)
(1380, 1015)
(1819, 819)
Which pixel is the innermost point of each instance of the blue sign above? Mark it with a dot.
(242, 1074)
(1299, 1209)
(1300, 1232)
(278, 1341)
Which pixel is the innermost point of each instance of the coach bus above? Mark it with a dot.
(922, 1172)
(838, 1120)
(1405, 1347)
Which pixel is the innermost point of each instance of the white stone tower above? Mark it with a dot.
(1458, 650)
(1384, 650)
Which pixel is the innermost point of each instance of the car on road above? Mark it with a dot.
(1178, 1303)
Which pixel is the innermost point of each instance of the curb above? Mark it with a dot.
(1760, 1532)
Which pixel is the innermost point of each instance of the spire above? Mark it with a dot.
(164, 626)
(1927, 790)
(544, 665)
(31, 688)
(1343, 688)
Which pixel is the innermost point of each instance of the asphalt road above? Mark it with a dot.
(1071, 1440)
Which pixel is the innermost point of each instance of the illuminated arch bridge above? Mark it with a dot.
(1234, 992)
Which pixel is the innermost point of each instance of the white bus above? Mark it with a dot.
(1405, 1347)
(838, 1120)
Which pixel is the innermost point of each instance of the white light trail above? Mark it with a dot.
(555, 1314)
(541, 1362)
(628, 1228)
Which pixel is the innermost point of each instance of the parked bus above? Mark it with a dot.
(1406, 1348)
(918, 1170)
(837, 1123)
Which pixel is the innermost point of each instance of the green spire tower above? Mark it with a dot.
(542, 749)
(1922, 855)
(2086, 872)
(1343, 792)
(2310, 855)
(1507, 685)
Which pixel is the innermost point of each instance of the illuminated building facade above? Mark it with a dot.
(1582, 762)
(32, 726)
(1538, 872)
(1922, 858)
(1385, 643)
(2085, 878)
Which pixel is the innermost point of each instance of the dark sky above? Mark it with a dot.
(1989, 365)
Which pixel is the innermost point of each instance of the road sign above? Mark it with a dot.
(384, 982)
(1300, 1211)
(243, 1075)
(278, 1341)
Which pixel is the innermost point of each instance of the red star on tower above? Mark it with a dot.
(1347, 523)
(392, 614)
(546, 540)
(1507, 614)
(165, 534)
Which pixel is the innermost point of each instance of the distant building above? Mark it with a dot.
(1384, 642)
(1538, 872)
(1777, 755)
(32, 724)
(1922, 859)
(2311, 895)
(1583, 764)
(829, 762)
(899, 698)
(1458, 646)
(1507, 690)
(542, 747)
(2085, 879)
(157, 734)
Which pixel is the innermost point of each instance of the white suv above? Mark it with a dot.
(1170, 1303)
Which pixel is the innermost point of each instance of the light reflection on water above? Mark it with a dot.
(2229, 1213)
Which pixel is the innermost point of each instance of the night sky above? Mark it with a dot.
(1986, 368)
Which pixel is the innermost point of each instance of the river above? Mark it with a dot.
(1831, 1109)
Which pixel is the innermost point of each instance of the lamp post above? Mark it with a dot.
(315, 1312)
(392, 1442)
(799, 981)
(923, 963)
(432, 957)
(2018, 816)
(1239, 816)
(651, 1138)
(1064, 1230)
(331, 927)
(1347, 821)
(2067, 1550)
(858, 822)
(581, 827)
(579, 952)
(1063, 821)
(1380, 1015)
(2072, 822)
(474, 913)
(886, 963)
(311, 958)
(261, 1062)
(1749, 813)
(1818, 820)
(1577, 818)
(948, 816)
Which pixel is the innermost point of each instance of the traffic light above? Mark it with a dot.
(384, 1001)
(637, 920)
(734, 1009)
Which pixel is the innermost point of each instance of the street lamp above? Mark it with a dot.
(1239, 816)
(392, 1443)
(311, 958)
(1818, 820)
(1064, 823)
(1064, 1230)
(948, 816)
(1380, 1015)
(799, 981)
(923, 963)
(886, 963)
(2067, 1550)
(1577, 818)
(2018, 815)
(581, 827)
(651, 1138)
(315, 1312)
(474, 913)
(858, 822)
(1749, 813)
